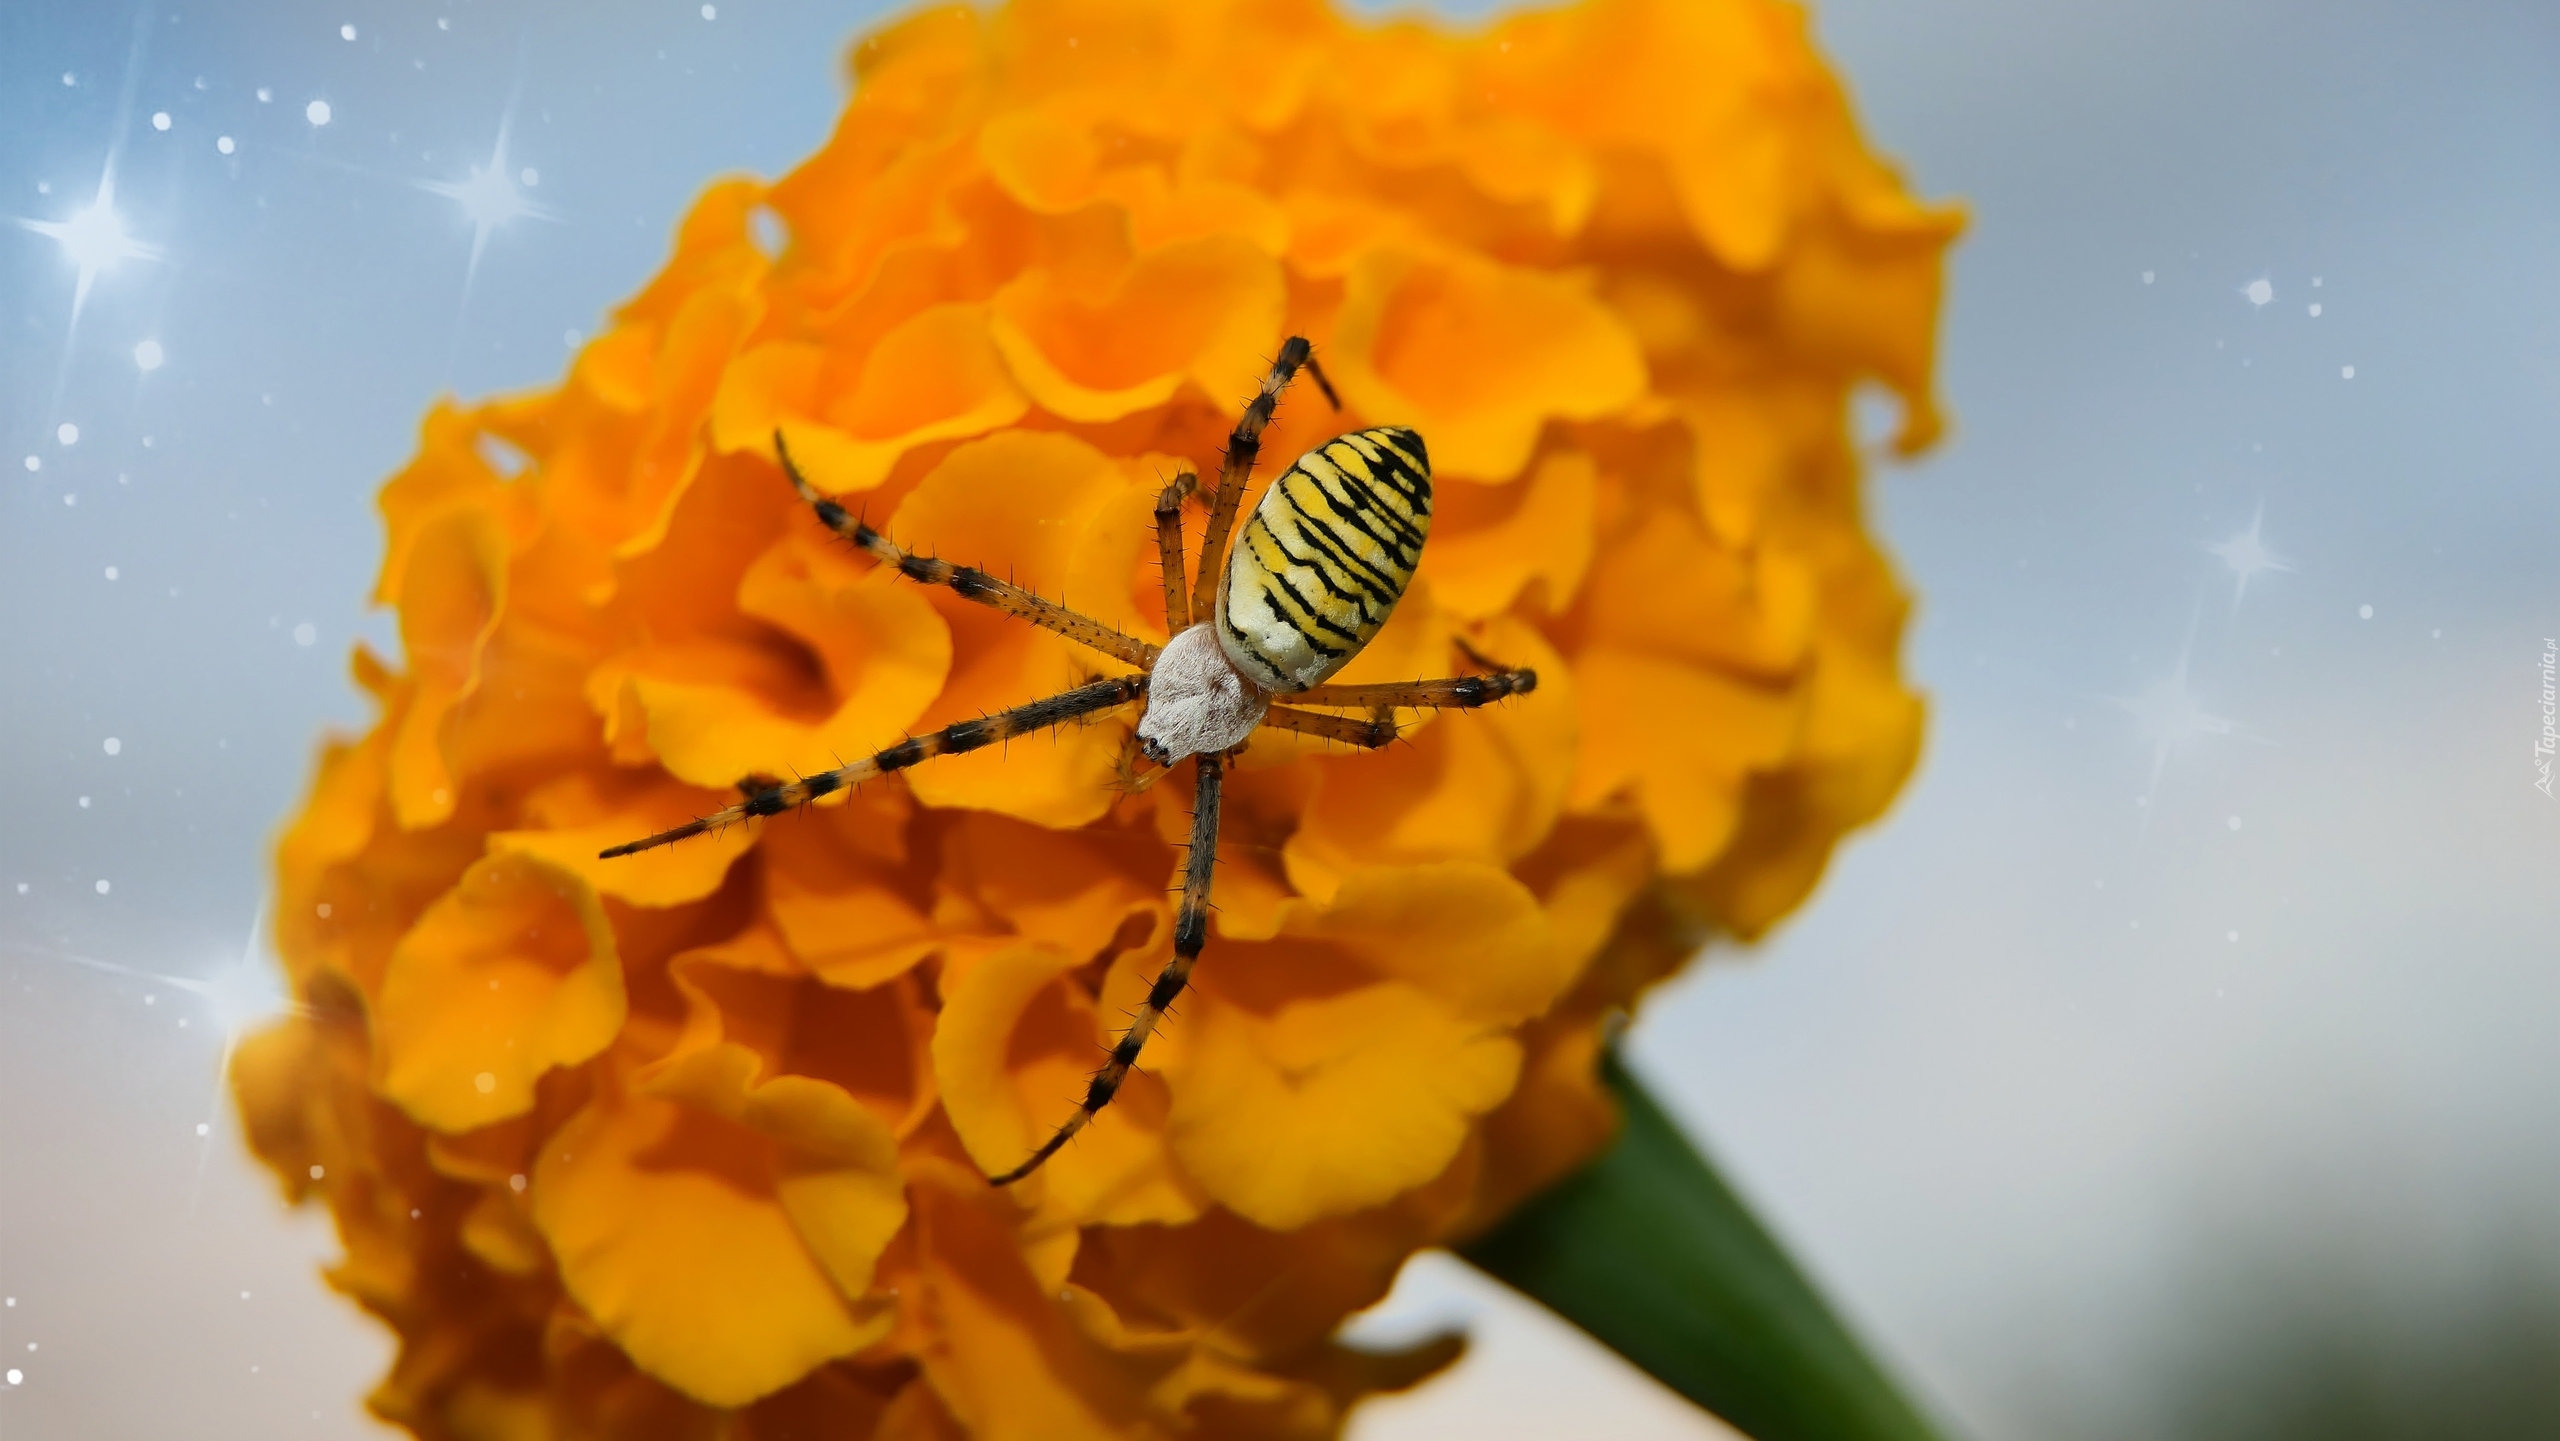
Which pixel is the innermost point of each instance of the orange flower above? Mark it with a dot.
(618, 1148)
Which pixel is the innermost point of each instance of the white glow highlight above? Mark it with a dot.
(149, 356)
(94, 240)
(317, 112)
(489, 199)
(2246, 556)
(2171, 717)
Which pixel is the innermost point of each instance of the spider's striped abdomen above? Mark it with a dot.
(1325, 557)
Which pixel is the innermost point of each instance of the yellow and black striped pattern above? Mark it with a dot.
(1325, 557)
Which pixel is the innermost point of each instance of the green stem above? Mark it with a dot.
(1649, 1251)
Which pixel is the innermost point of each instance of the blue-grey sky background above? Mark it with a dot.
(2215, 938)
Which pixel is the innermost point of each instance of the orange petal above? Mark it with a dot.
(452, 590)
(1519, 160)
(1206, 311)
(1489, 544)
(1687, 779)
(1013, 1048)
(1293, 1106)
(852, 657)
(1073, 891)
(1867, 304)
(1485, 784)
(935, 376)
(833, 1165)
(1670, 590)
(581, 814)
(1031, 506)
(698, 344)
(1478, 355)
(845, 913)
(867, 1045)
(1042, 159)
(1003, 1356)
(671, 1231)
(511, 973)
(1465, 933)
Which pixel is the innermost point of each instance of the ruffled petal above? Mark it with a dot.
(1296, 1100)
(669, 1229)
(1204, 311)
(513, 972)
(1013, 1048)
(1478, 355)
(1686, 781)
(1027, 506)
(580, 815)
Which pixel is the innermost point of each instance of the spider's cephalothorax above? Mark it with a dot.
(1320, 564)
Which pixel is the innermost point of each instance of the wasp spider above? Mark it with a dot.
(1321, 562)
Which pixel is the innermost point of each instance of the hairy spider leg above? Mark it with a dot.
(968, 581)
(1243, 444)
(1190, 933)
(1177, 586)
(1368, 734)
(951, 740)
(1459, 692)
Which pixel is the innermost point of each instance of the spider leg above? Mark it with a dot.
(970, 582)
(1190, 933)
(1243, 444)
(1459, 692)
(1177, 585)
(1369, 734)
(951, 740)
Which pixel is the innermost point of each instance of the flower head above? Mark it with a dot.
(616, 1146)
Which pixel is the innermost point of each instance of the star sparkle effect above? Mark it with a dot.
(2247, 557)
(2170, 716)
(236, 997)
(489, 199)
(94, 240)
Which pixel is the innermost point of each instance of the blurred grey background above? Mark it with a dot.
(2177, 1060)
